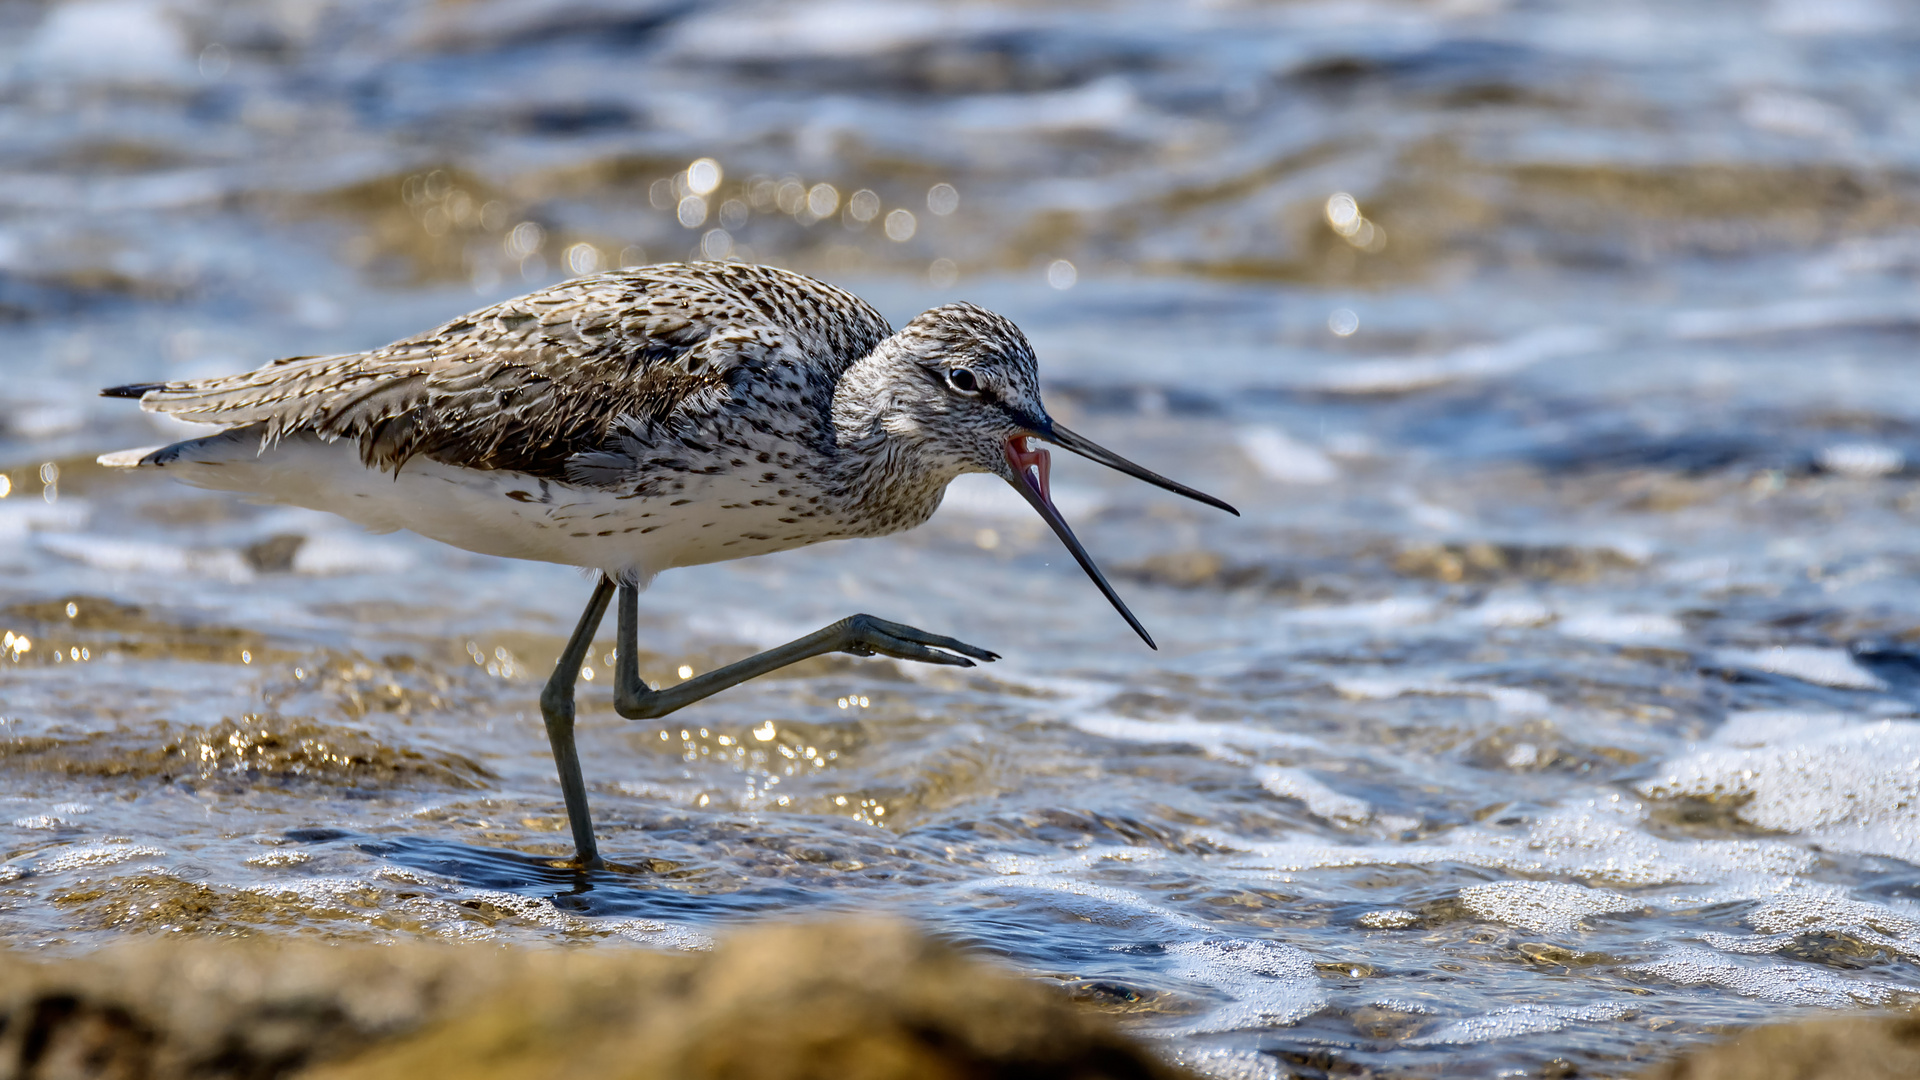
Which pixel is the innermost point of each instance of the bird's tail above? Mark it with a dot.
(241, 442)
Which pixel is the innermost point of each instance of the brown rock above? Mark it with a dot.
(851, 1001)
(1881, 1048)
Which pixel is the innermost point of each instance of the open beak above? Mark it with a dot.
(1030, 467)
(1093, 451)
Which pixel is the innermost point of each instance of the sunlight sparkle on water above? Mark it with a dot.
(790, 197)
(583, 258)
(822, 200)
(1345, 219)
(703, 176)
(525, 239)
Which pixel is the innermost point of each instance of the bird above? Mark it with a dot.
(641, 420)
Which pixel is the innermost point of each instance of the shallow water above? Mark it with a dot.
(1550, 708)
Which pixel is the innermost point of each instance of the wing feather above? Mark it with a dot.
(530, 383)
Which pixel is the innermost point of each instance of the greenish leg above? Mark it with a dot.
(861, 635)
(556, 706)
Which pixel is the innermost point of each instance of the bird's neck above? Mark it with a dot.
(887, 468)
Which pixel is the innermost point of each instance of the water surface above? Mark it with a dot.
(1550, 708)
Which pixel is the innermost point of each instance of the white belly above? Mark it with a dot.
(713, 518)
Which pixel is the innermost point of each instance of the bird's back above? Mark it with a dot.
(529, 384)
(629, 421)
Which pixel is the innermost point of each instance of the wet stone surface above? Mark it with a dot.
(1550, 710)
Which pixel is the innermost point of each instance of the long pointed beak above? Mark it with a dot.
(1030, 467)
(1091, 450)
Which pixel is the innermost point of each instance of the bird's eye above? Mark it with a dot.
(963, 380)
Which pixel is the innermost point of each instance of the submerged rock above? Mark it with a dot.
(255, 748)
(862, 1001)
(1483, 561)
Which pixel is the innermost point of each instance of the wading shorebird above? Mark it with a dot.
(640, 420)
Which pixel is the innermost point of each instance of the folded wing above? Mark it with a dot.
(527, 384)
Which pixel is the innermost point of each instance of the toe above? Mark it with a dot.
(915, 634)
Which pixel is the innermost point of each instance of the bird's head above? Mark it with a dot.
(963, 389)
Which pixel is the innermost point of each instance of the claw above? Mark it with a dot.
(905, 642)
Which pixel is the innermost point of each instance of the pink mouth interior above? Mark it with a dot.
(1030, 463)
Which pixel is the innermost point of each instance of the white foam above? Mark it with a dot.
(1281, 457)
(125, 41)
(1322, 801)
(1795, 114)
(1808, 663)
(1821, 909)
(1822, 17)
(1747, 944)
(1271, 983)
(842, 28)
(1855, 789)
(1763, 727)
(1102, 103)
(1511, 700)
(1521, 1020)
(337, 552)
(1388, 919)
(1223, 740)
(92, 855)
(44, 420)
(1547, 907)
(1512, 611)
(1401, 374)
(1816, 313)
(1221, 1063)
(1598, 839)
(542, 912)
(1815, 910)
(147, 556)
(1861, 459)
(1623, 628)
(1404, 1005)
(1380, 614)
(1024, 866)
(1786, 984)
(21, 515)
(1784, 917)
(1429, 515)
(1101, 905)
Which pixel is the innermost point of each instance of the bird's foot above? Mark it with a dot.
(872, 636)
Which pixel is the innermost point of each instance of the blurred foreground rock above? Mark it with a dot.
(867, 1001)
(1878, 1048)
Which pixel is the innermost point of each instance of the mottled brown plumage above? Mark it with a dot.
(527, 384)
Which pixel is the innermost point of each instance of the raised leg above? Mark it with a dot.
(556, 706)
(861, 635)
